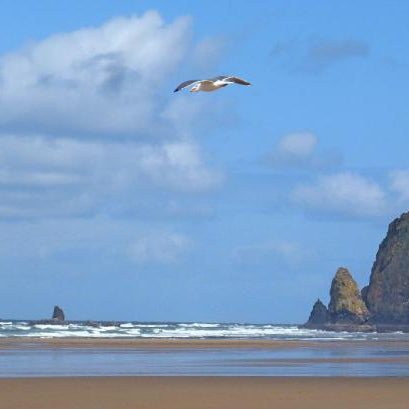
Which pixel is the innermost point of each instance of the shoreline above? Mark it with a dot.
(170, 343)
(61, 357)
(204, 392)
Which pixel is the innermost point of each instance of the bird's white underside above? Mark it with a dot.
(211, 84)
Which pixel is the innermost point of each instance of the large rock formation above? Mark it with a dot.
(319, 315)
(346, 305)
(346, 310)
(58, 314)
(387, 296)
(383, 305)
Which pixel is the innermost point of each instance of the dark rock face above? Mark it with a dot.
(383, 305)
(319, 314)
(388, 291)
(364, 294)
(58, 314)
(346, 305)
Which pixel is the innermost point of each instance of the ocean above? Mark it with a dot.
(180, 330)
(301, 352)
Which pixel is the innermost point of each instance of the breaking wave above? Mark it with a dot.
(171, 330)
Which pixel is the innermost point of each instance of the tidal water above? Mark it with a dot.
(331, 354)
(193, 362)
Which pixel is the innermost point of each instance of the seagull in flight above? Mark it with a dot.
(211, 84)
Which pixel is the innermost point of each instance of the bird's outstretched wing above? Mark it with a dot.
(237, 80)
(184, 85)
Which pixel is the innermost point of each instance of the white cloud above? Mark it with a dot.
(208, 52)
(299, 145)
(177, 166)
(399, 183)
(188, 116)
(102, 80)
(89, 123)
(299, 150)
(160, 248)
(39, 176)
(343, 193)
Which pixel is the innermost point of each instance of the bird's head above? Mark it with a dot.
(195, 88)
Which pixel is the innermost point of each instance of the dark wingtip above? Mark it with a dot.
(176, 90)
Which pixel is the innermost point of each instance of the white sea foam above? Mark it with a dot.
(199, 325)
(22, 327)
(54, 327)
(179, 331)
(127, 325)
(108, 328)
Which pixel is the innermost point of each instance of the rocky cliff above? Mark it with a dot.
(383, 305)
(387, 295)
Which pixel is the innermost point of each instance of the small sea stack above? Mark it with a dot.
(346, 305)
(346, 310)
(319, 314)
(58, 314)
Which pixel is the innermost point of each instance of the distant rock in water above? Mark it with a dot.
(58, 314)
(319, 314)
(346, 305)
(387, 296)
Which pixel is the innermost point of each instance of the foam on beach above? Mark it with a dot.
(171, 330)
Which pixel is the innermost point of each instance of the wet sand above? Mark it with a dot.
(38, 357)
(76, 342)
(204, 392)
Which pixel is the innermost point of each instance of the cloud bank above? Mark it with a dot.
(96, 80)
(88, 123)
(343, 192)
(66, 177)
(352, 195)
(323, 187)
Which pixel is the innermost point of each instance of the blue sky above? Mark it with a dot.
(123, 200)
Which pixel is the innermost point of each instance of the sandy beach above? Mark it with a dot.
(204, 392)
(133, 390)
(130, 389)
